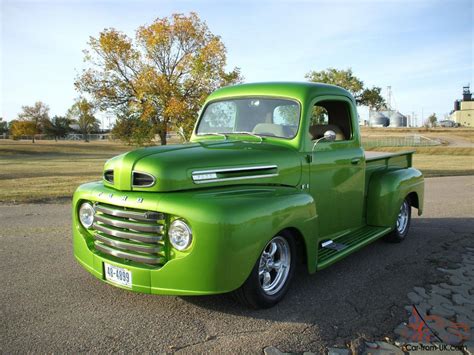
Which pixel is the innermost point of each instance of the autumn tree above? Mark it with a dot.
(164, 74)
(37, 115)
(21, 128)
(58, 127)
(345, 78)
(82, 113)
(132, 129)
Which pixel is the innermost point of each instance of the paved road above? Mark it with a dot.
(48, 303)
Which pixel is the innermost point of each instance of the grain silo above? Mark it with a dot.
(378, 119)
(398, 120)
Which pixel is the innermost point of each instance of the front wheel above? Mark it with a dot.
(270, 277)
(403, 224)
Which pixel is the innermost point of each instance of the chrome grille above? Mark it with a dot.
(130, 234)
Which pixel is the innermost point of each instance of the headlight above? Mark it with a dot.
(86, 214)
(180, 235)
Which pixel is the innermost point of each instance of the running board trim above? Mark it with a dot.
(352, 241)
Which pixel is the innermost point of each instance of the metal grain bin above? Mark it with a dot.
(378, 119)
(398, 120)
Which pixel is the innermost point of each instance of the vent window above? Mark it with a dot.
(142, 179)
(109, 176)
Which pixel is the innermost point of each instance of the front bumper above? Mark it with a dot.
(166, 280)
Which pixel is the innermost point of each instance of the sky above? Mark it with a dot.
(423, 49)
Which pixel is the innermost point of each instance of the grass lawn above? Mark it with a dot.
(439, 161)
(48, 170)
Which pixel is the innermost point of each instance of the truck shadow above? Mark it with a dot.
(367, 291)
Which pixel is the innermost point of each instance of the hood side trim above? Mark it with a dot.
(256, 172)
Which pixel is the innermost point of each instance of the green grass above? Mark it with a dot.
(50, 171)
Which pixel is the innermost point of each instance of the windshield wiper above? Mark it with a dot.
(250, 134)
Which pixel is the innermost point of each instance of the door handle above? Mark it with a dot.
(355, 161)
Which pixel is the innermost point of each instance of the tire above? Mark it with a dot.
(402, 225)
(271, 276)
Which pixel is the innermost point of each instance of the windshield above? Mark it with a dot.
(258, 116)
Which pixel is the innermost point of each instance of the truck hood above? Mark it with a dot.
(203, 164)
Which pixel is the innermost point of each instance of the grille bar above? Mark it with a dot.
(143, 216)
(128, 246)
(128, 224)
(126, 255)
(143, 237)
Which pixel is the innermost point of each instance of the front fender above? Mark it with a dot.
(245, 219)
(386, 192)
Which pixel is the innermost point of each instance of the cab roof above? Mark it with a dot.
(295, 90)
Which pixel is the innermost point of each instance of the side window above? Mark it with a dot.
(331, 115)
(320, 116)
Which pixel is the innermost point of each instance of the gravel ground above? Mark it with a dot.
(48, 303)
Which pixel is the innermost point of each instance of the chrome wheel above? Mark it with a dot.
(403, 217)
(274, 265)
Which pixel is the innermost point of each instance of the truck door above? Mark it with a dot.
(337, 168)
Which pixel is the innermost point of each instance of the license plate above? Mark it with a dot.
(118, 275)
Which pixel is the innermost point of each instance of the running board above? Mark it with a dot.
(329, 251)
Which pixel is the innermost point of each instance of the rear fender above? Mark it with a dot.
(386, 192)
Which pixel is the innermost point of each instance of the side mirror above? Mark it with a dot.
(330, 136)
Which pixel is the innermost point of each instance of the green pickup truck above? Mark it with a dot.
(274, 174)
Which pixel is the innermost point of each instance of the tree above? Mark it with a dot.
(131, 129)
(58, 127)
(373, 98)
(23, 128)
(38, 115)
(82, 113)
(346, 79)
(3, 126)
(432, 120)
(164, 75)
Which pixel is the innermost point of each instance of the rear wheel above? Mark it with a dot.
(270, 277)
(403, 224)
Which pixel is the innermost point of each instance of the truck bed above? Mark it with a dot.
(376, 161)
(372, 156)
